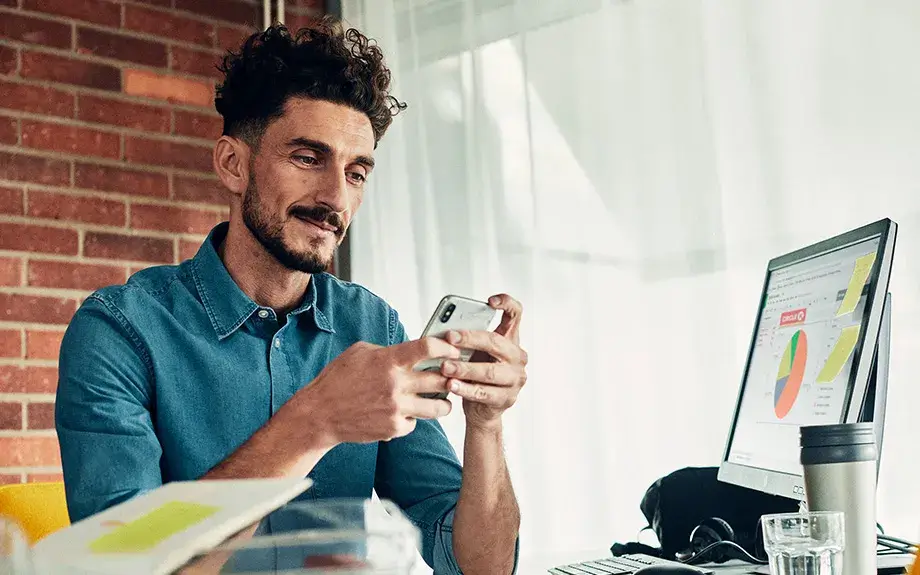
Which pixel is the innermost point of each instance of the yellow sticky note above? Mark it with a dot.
(840, 354)
(857, 281)
(150, 530)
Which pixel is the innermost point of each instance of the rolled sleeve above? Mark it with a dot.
(109, 449)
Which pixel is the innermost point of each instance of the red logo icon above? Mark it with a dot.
(793, 317)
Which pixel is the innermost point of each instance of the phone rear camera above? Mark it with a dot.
(448, 311)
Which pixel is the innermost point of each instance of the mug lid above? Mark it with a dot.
(837, 434)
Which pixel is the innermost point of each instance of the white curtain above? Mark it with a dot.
(626, 168)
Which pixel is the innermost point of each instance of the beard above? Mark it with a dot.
(270, 233)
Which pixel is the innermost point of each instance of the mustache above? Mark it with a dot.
(320, 214)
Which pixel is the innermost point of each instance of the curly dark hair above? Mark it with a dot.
(323, 61)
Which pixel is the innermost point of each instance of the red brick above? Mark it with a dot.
(9, 131)
(188, 249)
(205, 126)
(169, 88)
(10, 271)
(167, 25)
(10, 3)
(121, 47)
(73, 208)
(227, 10)
(164, 3)
(45, 478)
(43, 273)
(121, 113)
(30, 238)
(111, 179)
(8, 479)
(10, 415)
(36, 309)
(10, 343)
(36, 99)
(196, 62)
(34, 169)
(32, 379)
(166, 153)
(98, 11)
(8, 60)
(172, 219)
(42, 344)
(70, 139)
(232, 37)
(190, 189)
(63, 70)
(122, 247)
(29, 452)
(40, 415)
(35, 31)
(10, 201)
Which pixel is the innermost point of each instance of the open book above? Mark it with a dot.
(159, 531)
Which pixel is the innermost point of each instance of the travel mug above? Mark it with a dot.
(840, 475)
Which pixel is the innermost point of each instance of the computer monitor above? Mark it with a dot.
(818, 355)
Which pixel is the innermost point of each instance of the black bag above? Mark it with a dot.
(678, 503)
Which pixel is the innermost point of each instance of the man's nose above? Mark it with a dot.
(334, 191)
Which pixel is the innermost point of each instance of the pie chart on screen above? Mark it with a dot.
(791, 372)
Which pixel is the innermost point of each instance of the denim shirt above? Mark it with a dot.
(164, 377)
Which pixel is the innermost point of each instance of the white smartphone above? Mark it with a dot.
(455, 313)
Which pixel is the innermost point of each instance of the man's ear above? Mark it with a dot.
(231, 164)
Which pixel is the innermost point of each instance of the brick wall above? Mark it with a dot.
(106, 125)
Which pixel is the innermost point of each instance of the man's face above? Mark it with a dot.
(307, 180)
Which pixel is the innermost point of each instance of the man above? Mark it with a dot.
(249, 361)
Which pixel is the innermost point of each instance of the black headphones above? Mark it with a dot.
(713, 540)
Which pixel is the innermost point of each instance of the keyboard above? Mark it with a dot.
(623, 565)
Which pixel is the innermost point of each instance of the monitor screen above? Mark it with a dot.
(801, 364)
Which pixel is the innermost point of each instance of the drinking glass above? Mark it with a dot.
(809, 543)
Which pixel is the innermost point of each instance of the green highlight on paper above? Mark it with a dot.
(148, 531)
(857, 281)
(839, 355)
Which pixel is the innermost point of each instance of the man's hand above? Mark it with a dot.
(491, 381)
(371, 393)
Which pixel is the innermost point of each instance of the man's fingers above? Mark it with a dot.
(422, 408)
(427, 382)
(511, 314)
(489, 342)
(503, 374)
(412, 352)
(491, 395)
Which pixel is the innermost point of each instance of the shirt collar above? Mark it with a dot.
(227, 306)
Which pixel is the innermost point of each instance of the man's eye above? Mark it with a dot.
(358, 177)
(309, 160)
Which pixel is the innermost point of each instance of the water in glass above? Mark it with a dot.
(804, 558)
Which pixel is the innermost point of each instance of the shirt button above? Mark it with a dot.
(277, 343)
(263, 313)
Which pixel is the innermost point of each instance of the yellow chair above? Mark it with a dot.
(39, 508)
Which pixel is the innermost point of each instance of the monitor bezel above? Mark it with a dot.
(791, 485)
